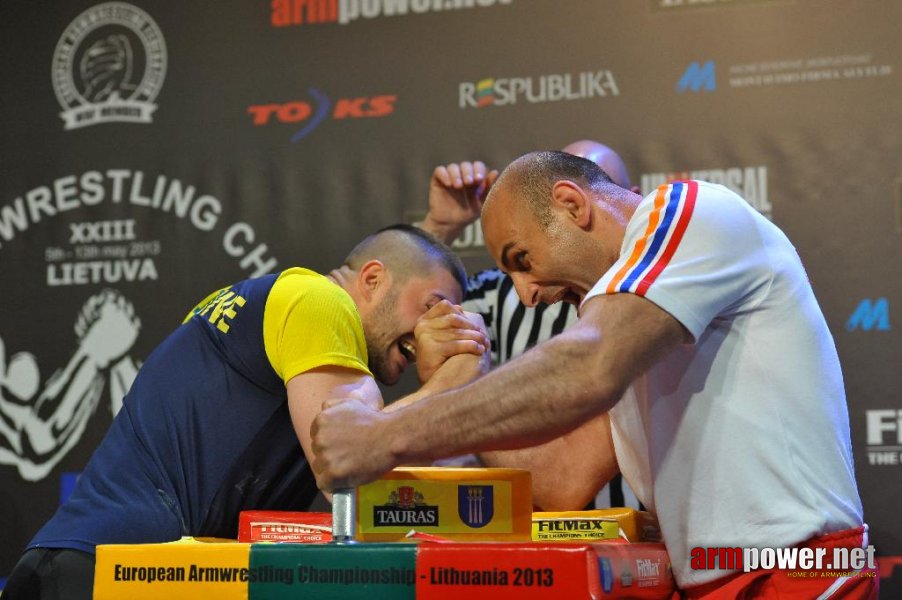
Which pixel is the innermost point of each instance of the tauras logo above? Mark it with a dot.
(405, 506)
(108, 66)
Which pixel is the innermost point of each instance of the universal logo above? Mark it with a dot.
(109, 66)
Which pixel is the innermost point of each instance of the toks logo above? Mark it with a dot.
(315, 112)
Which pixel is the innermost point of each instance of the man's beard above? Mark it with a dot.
(378, 328)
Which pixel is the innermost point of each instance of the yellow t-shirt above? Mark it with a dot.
(310, 322)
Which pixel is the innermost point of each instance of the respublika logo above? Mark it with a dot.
(313, 113)
(748, 182)
(313, 12)
(870, 316)
(505, 91)
(884, 436)
(698, 77)
(109, 66)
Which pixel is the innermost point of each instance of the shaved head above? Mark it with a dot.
(609, 161)
(407, 252)
(533, 175)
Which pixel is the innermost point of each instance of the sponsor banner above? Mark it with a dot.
(834, 562)
(435, 507)
(500, 571)
(665, 6)
(334, 571)
(522, 571)
(702, 76)
(308, 114)
(108, 250)
(284, 526)
(884, 437)
(817, 69)
(342, 12)
(109, 66)
(870, 315)
(750, 182)
(455, 503)
(179, 571)
(555, 87)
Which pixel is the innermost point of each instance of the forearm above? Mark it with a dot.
(446, 232)
(568, 471)
(545, 393)
(455, 372)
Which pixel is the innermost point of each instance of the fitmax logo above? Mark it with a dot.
(870, 316)
(698, 77)
(879, 423)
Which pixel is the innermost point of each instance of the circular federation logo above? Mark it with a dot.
(109, 66)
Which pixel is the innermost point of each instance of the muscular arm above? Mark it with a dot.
(568, 471)
(533, 399)
(308, 391)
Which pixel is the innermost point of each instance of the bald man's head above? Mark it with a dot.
(407, 252)
(533, 176)
(609, 161)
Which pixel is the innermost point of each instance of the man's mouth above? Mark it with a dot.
(571, 297)
(565, 295)
(408, 350)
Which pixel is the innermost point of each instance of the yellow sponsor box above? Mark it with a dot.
(184, 570)
(586, 525)
(455, 503)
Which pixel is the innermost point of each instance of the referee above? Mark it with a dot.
(456, 194)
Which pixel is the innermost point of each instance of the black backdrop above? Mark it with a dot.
(160, 150)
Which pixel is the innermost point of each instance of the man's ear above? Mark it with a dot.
(573, 200)
(371, 276)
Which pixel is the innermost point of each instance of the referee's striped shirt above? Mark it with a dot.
(514, 328)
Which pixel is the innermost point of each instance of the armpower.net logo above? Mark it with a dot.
(287, 13)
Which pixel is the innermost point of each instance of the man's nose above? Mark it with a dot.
(526, 290)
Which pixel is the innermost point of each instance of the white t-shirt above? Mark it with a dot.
(742, 438)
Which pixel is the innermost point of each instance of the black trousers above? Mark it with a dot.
(51, 574)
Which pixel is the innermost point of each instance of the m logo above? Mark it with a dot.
(870, 315)
(475, 504)
(698, 77)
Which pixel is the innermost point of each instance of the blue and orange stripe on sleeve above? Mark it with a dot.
(669, 218)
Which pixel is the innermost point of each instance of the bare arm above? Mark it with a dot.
(568, 471)
(533, 399)
(456, 194)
